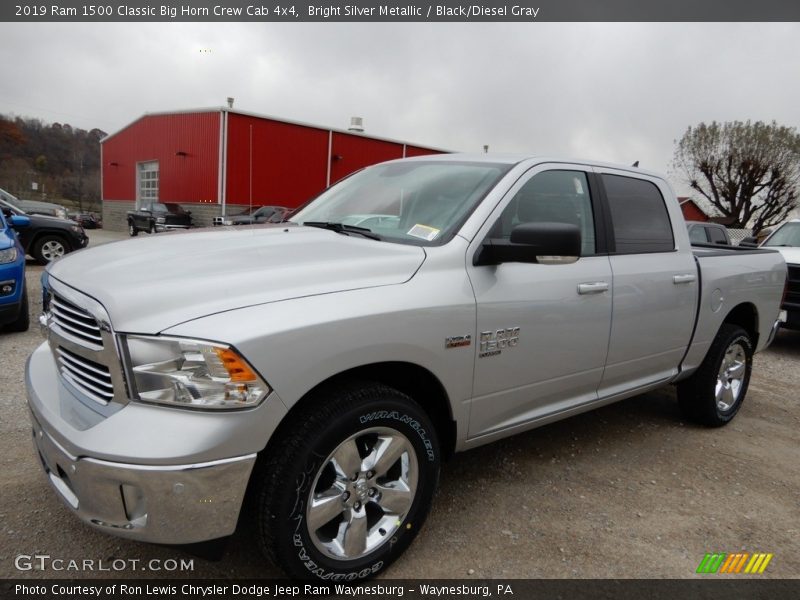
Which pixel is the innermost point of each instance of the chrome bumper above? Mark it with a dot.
(179, 504)
(161, 227)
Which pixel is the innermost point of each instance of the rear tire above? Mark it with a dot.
(343, 491)
(23, 320)
(714, 393)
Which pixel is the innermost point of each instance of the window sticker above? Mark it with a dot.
(578, 186)
(423, 232)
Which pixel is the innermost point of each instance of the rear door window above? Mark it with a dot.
(639, 215)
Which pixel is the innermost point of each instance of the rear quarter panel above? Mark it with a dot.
(730, 278)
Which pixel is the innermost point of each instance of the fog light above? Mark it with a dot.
(7, 288)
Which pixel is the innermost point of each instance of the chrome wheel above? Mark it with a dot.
(53, 249)
(362, 493)
(730, 377)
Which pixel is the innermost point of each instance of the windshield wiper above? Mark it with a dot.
(343, 229)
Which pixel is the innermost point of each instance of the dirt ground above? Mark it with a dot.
(627, 491)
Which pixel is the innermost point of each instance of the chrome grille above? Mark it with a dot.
(75, 321)
(89, 377)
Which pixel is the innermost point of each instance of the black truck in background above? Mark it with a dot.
(158, 216)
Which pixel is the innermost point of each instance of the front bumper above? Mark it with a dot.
(179, 504)
(144, 472)
(161, 227)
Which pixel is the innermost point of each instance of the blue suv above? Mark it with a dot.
(13, 292)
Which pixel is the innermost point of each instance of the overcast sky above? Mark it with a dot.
(616, 92)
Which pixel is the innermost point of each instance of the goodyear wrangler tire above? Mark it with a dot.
(714, 393)
(348, 484)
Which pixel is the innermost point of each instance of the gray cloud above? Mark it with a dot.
(610, 91)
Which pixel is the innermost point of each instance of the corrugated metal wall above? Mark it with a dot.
(189, 177)
(351, 152)
(289, 162)
(268, 161)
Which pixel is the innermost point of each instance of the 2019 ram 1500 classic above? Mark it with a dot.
(328, 368)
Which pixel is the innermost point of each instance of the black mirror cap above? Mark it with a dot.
(529, 241)
(749, 242)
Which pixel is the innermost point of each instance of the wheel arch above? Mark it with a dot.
(745, 315)
(411, 379)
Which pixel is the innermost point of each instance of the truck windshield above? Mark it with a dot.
(788, 235)
(418, 202)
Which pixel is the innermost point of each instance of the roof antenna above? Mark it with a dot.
(636, 164)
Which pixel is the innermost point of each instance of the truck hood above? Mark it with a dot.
(150, 284)
(790, 255)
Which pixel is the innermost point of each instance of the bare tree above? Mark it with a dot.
(748, 171)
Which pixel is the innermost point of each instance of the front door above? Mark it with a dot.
(543, 329)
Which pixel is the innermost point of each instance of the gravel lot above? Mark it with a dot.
(629, 490)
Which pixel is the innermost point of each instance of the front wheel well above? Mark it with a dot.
(413, 380)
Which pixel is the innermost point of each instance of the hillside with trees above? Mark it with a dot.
(51, 162)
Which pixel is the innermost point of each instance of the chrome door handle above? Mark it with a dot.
(685, 278)
(597, 287)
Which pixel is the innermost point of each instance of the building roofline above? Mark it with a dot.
(224, 109)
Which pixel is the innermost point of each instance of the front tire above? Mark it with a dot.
(132, 231)
(714, 393)
(344, 491)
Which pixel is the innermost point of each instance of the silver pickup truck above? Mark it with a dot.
(326, 369)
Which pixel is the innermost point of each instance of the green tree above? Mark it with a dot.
(748, 171)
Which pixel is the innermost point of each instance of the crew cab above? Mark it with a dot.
(328, 368)
(46, 238)
(158, 216)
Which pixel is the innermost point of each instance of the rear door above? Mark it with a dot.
(543, 329)
(655, 283)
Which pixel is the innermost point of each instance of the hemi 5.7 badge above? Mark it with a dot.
(494, 342)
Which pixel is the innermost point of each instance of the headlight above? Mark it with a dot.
(8, 255)
(76, 228)
(161, 220)
(192, 373)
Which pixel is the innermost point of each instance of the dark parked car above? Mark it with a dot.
(158, 216)
(256, 214)
(708, 233)
(34, 207)
(14, 314)
(47, 238)
(85, 220)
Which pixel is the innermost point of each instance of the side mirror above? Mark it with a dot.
(545, 243)
(19, 222)
(749, 242)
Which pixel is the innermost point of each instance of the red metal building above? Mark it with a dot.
(219, 161)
